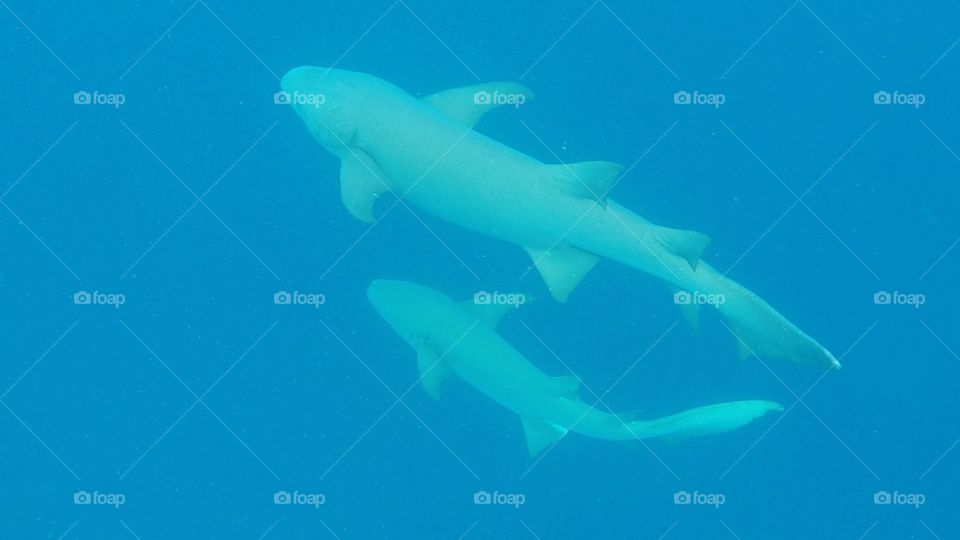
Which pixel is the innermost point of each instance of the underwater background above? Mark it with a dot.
(156, 200)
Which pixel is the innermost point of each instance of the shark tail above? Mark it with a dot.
(707, 420)
(757, 327)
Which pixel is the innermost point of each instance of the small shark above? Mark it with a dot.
(460, 339)
(427, 152)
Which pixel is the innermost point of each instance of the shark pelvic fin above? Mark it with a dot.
(467, 104)
(433, 372)
(689, 308)
(541, 434)
(361, 182)
(587, 180)
(562, 268)
(686, 244)
(488, 313)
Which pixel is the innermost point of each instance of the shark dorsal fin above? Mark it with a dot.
(541, 434)
(433, 371)
(467, 104)
(562, 268)
(587, 180)
(565, 386)
(361, 182)
(488, 312)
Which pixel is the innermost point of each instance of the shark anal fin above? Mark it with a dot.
(586, 180)
(433, 372)
(686, 244)
(362, 181)
(562, 268)
(467, 104)
(541, 434)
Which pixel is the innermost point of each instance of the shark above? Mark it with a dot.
(427, 152)
(459, 339)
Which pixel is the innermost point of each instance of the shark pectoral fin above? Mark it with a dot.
(565, 386)
(743, 351)
(541, 434)
(689, 308)
(361, 182)
(489, 313)
(467, 104)
(587, 180)
(433, 372)
(686, 244)
(562, 268)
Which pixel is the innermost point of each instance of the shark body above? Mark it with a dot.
(427, 152)
(459, 339)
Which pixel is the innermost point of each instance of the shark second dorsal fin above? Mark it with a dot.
(686, 244)
(562, 268)
(587, 180)
(541, 434)
(488, 312)
(433, 372)
(362, 181)
(467, 104)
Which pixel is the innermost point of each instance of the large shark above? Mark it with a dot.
(427, 152)
(460, 339)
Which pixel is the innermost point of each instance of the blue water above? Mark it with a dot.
(183, 411)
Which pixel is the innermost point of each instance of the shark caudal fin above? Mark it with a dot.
(708, 420)
(757, 328)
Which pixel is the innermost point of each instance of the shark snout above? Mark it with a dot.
(301, 77)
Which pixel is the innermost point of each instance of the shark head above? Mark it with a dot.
(411, 309)
(329, 101)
